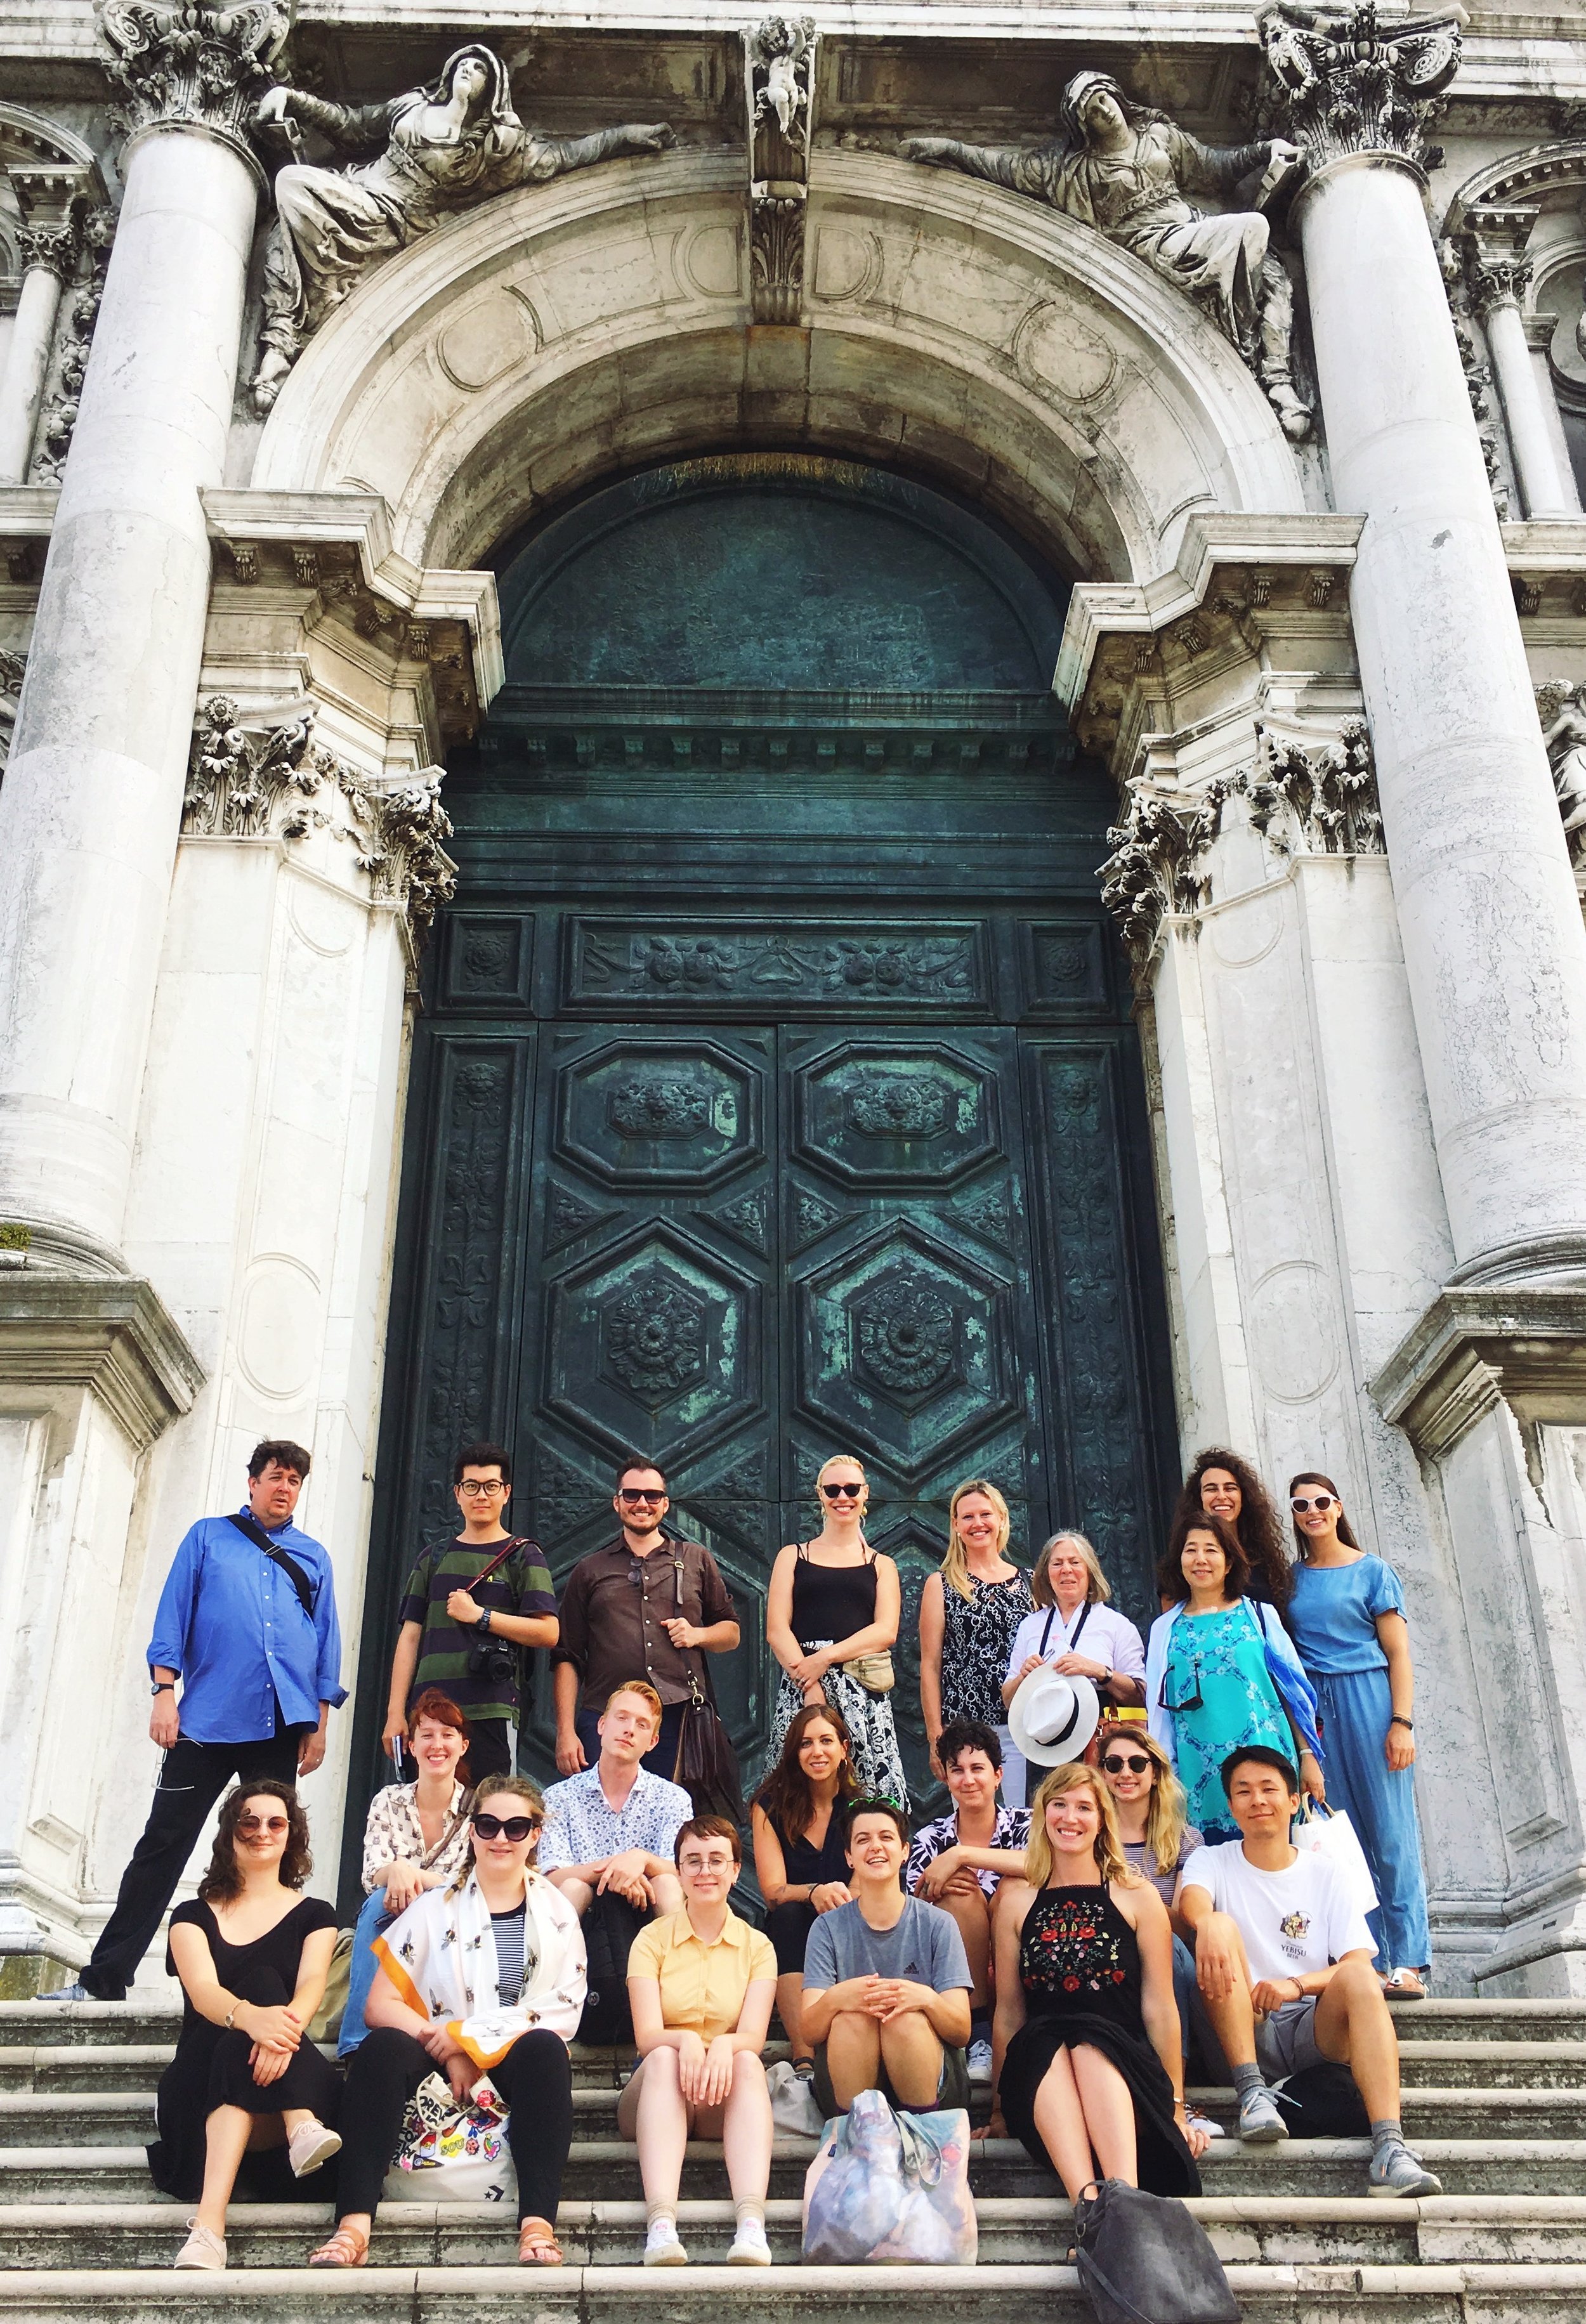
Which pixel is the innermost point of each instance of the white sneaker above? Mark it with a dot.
(1195, 2120)
(978, 2059)
(662, 2248)
(310, 2145)
(750, 2247)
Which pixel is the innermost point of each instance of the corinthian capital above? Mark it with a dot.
(1357, 83)
(192, 60)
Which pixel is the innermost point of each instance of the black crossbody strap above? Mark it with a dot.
(518, 1541)
(277, 1555)
(1052, 1617)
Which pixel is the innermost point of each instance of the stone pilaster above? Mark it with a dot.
(51, 201)
(1499, 274)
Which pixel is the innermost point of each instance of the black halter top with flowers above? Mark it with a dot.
(1079, 1957)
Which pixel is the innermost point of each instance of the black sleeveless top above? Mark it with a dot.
(1078, 1956)
(831, 1602)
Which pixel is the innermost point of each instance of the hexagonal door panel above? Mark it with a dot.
(870, 1115)
(905, 1347)
(637, 1113)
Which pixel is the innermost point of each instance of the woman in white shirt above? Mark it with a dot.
(416, 1837)
(1078, 1632)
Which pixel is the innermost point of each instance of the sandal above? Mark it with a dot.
(537, 2245)
(348, 2247)
(1404, 1985)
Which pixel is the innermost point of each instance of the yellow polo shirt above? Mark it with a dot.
(702, 1987)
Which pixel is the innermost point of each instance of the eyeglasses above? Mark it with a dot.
(1137, 1763)
(722, 1863)
(626, 1493)
(1321, 1504)
(273, 1825)
(512, 1828)
(486, 1490)
(843, 1493)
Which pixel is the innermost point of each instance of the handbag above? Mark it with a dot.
(874, 1672)
(707, 1764)
(1327, 1831)
(891, 2189)
(610, 1927)
(452, 2152)
(1144, 2259)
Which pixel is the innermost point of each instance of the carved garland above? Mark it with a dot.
(247, 782)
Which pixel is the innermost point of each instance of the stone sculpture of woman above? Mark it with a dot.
(1124, 169)
(434, 151)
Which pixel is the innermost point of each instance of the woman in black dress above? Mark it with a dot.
(800, 1860)
(247, 2092)
(1090, 2074)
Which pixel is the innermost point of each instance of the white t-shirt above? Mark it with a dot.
(1292, 1922)
(1106, 1636)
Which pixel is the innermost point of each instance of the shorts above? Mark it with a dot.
(952, 2090)
(1286, 2041)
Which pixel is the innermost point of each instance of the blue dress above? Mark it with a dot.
(1332, 1620)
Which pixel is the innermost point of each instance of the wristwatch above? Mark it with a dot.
(163, 1687)
(482, 1624)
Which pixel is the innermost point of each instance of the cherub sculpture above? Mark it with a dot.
(779, 48)
(1123, 168)
(433, 151)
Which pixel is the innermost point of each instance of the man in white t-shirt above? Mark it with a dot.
(1283, 1958)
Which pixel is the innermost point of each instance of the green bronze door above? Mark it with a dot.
(775, 1092)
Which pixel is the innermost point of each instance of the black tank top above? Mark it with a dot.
(831, 1602)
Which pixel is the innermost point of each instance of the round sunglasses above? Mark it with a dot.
(512, 1828)
(1136, 1761)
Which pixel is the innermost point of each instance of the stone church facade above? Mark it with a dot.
(746, 740)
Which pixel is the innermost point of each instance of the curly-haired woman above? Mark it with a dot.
(1222, 1484)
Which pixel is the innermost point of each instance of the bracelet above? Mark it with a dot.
(230, 2017)
(1399, 1720)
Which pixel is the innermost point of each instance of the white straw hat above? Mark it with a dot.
(1052, 1718)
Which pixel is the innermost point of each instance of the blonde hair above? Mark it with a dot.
(1098, 1589)
(1073, 1776)
(1168, 1812)
(646, 1693)
(955, 1564)
(838, 1461)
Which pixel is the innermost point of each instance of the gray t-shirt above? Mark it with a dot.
(924, 1947)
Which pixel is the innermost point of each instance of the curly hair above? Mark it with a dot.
(1170, 1579)
(224, 1878)
(1259, 1526)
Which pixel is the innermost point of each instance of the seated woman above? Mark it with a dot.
(797, 1817)
(486, 1976)
(253, 1953)
(416, 1837)
(1089, 2063)
(700, 1984)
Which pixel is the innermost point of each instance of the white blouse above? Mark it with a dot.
(1105, 1636)
(394, 1834)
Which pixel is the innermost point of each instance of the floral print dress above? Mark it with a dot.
(977, 1637)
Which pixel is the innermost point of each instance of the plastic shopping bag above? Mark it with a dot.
(890, 2187)
(1328, 1831)
(452, 2154)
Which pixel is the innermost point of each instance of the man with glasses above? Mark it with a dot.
(471, 1605)
(647, 1604)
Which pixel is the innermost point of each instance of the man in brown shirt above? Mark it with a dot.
(643, 1608)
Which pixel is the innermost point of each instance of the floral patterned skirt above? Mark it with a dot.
(877, 1761)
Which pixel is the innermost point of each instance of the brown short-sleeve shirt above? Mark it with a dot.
(614, 1610)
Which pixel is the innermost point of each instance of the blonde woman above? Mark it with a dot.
(1088, 2056)
(1076, 1629)
(832, 1604)
(968, 1615)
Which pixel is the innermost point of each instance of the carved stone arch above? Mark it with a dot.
(32, 139)
(1519, 180)
(1531, 201)
(580, 329)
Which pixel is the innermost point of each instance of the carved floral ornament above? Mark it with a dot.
(251, 781)
(1356, 82)
(193, 61)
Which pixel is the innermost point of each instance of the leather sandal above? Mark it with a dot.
(348, 2247)
(537, 2245)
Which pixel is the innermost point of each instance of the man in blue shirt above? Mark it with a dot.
(250, 1633)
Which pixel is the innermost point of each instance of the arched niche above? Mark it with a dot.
(587, 329)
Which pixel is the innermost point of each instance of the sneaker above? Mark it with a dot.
(1395, 2171)
(77, 1991)
(662, 2248)
(1260, 2119)
(1195, 2120)
(310, 2145)
(750, 2247)
(202, 2249)
(978, 2059)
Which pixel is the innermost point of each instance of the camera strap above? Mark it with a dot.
(518, 1541)
(255, 1533)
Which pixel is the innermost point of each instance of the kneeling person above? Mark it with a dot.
(1283, 1958)
(886, 1982)
(701, 1984)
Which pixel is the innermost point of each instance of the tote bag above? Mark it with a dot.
(1146, 2259)
(1328, 1831)
(891, 2187)
(450, 2153)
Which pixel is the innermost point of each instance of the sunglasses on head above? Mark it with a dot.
(1321, 1504)
(271, 1824)
(1116, 1762)
(512, 1828)
(843, 1493)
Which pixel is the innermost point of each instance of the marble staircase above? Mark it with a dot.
(1495, 2102)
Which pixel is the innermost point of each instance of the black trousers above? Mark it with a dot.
(535, 2078)
(489, 1752)
(192, 1779)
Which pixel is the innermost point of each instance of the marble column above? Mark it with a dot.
(1497, 278)
(1494, 947)
(91, 805)
(50, 201)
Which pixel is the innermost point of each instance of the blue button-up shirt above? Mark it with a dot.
(231, 1624)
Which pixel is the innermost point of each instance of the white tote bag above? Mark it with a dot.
(452, 2154)
(1328, 1831)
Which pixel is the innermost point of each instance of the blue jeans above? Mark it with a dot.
(372, 1920)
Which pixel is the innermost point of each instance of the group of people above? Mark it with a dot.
(1070, 1955)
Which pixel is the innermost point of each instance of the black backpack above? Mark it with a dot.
(610, 1927)
(1146, 2259)
(1323, 2102)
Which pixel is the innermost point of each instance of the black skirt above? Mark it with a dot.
(1165, 2164)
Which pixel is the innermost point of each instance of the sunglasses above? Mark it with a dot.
(1137, 1763)
(1322, 1504)
(843, 1493)
(273, 1825)
(512, 1828)
(627, 1494)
